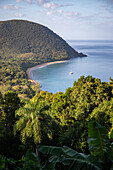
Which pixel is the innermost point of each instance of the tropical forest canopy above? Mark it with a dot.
(77, 121)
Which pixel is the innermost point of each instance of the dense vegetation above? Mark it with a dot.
(24, 44)
(14, 77)
(77, 121)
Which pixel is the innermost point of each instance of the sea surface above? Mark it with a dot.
(98, 63)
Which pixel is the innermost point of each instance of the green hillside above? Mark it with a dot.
(19, 36)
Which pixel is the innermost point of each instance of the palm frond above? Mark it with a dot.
(97, 138)
(68, 157)
(111, 133)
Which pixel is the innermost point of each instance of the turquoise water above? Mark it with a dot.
(99, 63)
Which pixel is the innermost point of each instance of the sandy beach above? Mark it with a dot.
(39, 66)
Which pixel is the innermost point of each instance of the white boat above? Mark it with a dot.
(70, 72)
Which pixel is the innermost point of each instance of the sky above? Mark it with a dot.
(70, 19)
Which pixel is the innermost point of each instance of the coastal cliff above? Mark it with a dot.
(24, 37)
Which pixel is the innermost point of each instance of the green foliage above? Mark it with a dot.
(61, 119)
(30, 161)
(111, 134)
(104, 113)
(27, 162)
(13, 77)
(5, 163)
(34, 122)
(9, 144)
(99, 145)
(60, 108)
(88, 98)
(10, 104)
(101, 156)
(97, 139)
(67, 158)
(79, 101)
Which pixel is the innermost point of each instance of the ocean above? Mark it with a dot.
(98, 63)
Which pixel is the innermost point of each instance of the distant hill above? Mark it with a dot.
(20, 36)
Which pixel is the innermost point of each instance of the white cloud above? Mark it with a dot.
(52, 5)
(48, 13)
(19, 15)
(59, 11)
(71, 14)
(68, 15)
(29, 1)
(18, 0)
(41, 2)
(10, 6)
(63, 14)
(48, 4)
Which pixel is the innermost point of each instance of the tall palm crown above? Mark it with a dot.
(34, 121)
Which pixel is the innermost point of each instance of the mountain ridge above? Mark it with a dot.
(22, 36)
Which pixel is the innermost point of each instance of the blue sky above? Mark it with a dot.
(71, 19)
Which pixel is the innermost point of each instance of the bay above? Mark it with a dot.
(98, 63)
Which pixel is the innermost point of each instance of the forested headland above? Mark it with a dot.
(45, 131)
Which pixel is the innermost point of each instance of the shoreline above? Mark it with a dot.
(28, 71)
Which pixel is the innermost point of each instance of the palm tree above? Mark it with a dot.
(34, 122)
